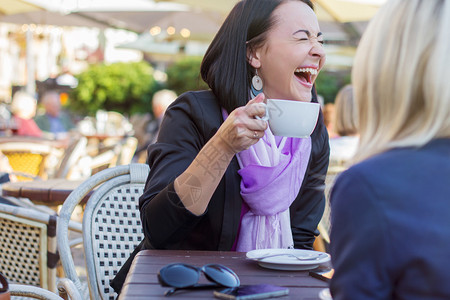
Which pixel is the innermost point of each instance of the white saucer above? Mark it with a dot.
(325, 294)
(286, 262)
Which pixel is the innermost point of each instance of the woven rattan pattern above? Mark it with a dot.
(117, 231)
(20, 258)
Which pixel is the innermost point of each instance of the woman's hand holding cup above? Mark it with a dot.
(241, 129)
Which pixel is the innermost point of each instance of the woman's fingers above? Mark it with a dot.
(257, 134)
(256, 106)
(258, 99)
(256, 109)
(241, 129)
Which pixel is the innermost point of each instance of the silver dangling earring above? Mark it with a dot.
(257, 84)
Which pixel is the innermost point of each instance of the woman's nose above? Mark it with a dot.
(317, 49)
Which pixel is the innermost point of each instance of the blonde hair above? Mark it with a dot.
(346, 117)
(23, 105)
(400, 76)
(161, 100)
(164, 97)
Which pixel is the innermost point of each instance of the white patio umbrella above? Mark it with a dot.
(146, 43)
(169, 34)
(130, 14)
(8, 7)
(44, 17)
(345, 11)
(222, 6)
(327, 10)
(133, 15)
(165, 50)
(201, 25)
(185, 25)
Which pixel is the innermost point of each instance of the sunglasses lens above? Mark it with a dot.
(179, 275)
(221, 275)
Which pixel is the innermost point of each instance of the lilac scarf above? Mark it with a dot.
(272, 172)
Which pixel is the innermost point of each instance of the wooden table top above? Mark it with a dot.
(50, 192)
(142, 282)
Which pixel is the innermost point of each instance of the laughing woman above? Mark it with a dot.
(219, 179)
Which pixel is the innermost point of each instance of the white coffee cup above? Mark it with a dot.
(291, 118)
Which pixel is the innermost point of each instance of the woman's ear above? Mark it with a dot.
(253, 58)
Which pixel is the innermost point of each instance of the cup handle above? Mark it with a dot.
(266, 116)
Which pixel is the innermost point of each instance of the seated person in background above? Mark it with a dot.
(343, 146)
(328, 118)
(54, 123)
(160, 101)
(23, 108)
(390, 234)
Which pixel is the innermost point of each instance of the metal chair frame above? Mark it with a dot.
(28, 245)
(29, 291)
(111, 226)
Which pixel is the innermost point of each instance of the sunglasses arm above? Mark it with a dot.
(193, 287)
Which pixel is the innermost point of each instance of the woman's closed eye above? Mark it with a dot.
(305, 35)
(311, 40)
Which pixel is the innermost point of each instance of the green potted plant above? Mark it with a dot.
(123, 87)
(184, 75)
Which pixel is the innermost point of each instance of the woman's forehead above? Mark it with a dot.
(292, 16)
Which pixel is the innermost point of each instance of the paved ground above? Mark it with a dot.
(78, 258)
(80, 266)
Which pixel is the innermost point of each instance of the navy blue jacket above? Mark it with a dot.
(390, 236)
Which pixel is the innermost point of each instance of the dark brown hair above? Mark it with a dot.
(225, 67)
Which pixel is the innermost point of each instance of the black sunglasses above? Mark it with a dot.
(184, 276)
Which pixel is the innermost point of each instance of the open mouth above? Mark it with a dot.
(305, 74)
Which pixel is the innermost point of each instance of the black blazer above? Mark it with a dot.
(187, 126)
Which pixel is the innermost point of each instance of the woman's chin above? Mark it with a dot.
(304, 96)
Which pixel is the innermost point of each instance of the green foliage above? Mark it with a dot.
(184, 75)
(123, 87)
(328, 84)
